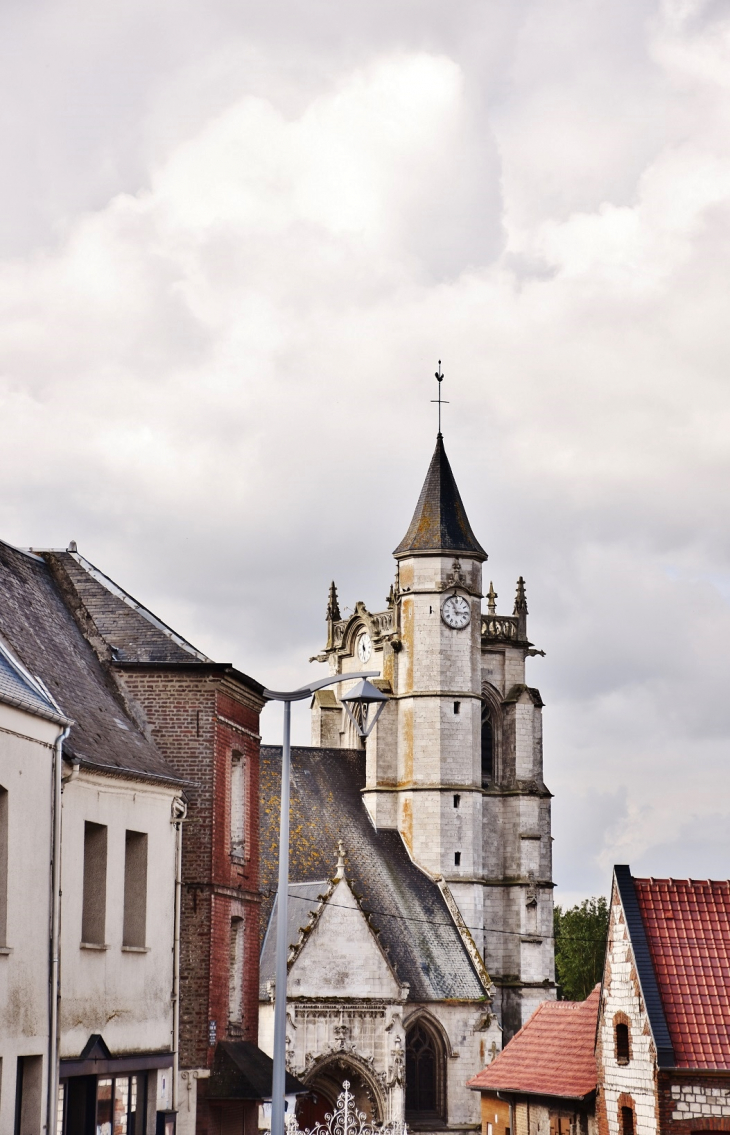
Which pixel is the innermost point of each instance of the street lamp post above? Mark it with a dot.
(360, 698)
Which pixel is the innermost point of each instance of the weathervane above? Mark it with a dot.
(440, 401)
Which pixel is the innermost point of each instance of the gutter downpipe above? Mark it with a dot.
(511, 1107)
(55, 974)
(179, 812)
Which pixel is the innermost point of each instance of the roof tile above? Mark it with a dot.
(687, 924)
(551, 1055)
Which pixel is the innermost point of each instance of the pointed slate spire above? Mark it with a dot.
(440, 523)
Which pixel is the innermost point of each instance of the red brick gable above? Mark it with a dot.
(551, 1055)
(687, 924)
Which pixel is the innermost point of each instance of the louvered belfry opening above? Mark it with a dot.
(425, 1076)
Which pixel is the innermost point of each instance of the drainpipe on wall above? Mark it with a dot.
(55, 975)
(179, 812)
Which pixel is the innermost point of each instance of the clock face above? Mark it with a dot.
(456, 612)
(364, 647)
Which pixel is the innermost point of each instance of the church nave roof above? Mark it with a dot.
(406, 907)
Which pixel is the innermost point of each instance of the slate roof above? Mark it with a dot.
(551, 1055)
(241, 1071)
(407, 907)
(687, 924)
(130, 630)
(18, 688)
(644, 966)
(440, 523)
(41, 630)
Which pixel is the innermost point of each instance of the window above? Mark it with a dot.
(425, 1075)
(235, 973)
(457, 707)
(623, 1054)
(487, 746)
(28, 1094)
(238, 804)
(627, 1121)
(93, 918)
(120, 1105)
(457, 799)
(135, 890)
(457, 859)
(3, 867)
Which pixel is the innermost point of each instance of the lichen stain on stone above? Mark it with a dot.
(407, 722)
(407, 636)
(406, 829)
(405, 576)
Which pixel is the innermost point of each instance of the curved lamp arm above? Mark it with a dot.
(307, 691)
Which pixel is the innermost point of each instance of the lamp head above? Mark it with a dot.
(357, 702)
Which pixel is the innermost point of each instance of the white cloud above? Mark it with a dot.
(218, 379)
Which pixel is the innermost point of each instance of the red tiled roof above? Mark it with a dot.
(687, 923)
(551, 1055)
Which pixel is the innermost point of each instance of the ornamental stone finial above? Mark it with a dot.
(333, 607)
(340, 872)
(492, 598)
(521, 610)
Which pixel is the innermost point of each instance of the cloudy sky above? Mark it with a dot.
(236, 237)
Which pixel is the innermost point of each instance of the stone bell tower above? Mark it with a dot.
(455, 762)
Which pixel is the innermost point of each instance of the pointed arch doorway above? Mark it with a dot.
(325, 1079)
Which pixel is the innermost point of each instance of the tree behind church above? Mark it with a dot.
(580, 947)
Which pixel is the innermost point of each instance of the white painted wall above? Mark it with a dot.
(120, 993)
(26, 764)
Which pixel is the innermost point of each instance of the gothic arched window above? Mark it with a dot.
(425, 1076)
(487, 746)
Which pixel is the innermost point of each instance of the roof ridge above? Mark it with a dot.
(670, 880)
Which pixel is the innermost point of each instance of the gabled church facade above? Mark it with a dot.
(455, 762)
(446, 884)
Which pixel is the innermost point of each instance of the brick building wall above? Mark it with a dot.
(199, 716)
(694, 1101)
(632, 1084)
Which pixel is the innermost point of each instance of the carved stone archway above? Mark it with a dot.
(327, 1074)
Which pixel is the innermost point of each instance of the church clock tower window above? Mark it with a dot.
(487, 747)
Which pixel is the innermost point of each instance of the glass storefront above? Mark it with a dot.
(104, 1105)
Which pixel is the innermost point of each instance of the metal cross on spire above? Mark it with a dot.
(439, 401)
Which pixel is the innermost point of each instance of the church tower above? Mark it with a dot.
(455, 762)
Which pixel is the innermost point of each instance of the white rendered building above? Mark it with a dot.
(90, 829)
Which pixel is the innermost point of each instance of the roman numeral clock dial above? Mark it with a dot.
(456, 612)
